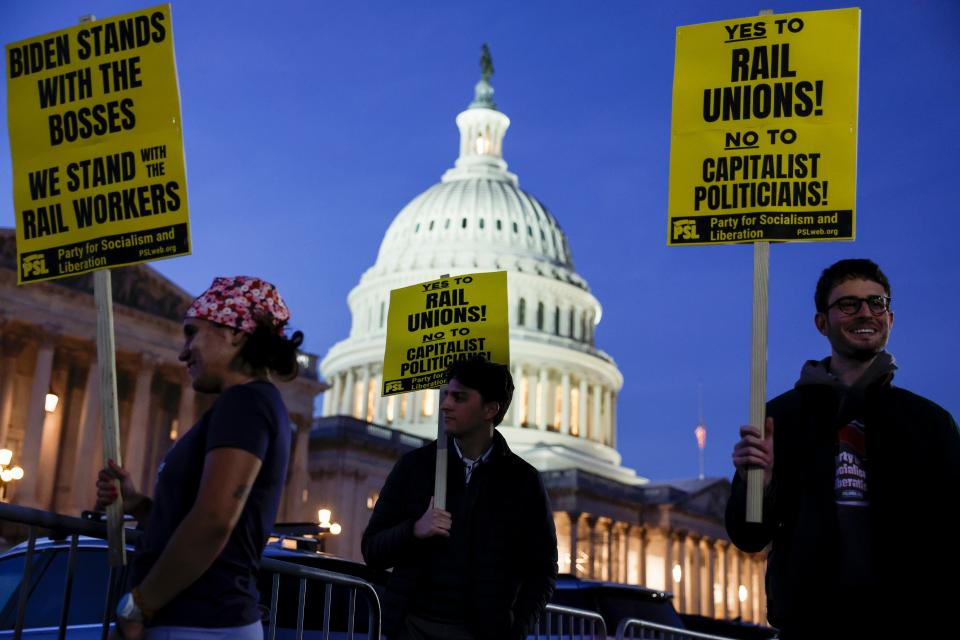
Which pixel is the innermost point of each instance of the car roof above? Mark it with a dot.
(569, 581)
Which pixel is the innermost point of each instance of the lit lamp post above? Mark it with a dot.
(7, 473)
(326, 527)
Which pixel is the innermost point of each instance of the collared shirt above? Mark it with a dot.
(469, 464)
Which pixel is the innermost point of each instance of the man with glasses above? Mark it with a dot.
(858, 475)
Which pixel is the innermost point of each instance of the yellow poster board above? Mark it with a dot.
(764, 132)
(95, 134)
(432, 324)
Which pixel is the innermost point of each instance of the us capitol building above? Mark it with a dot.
(611, 523)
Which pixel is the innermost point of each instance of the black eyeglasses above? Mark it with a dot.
(850, 305)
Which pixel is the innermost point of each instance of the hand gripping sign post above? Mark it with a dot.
(763, 148)
(432, 324)
(98, 171)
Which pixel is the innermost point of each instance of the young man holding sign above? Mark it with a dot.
(485, 567)
(850, 462)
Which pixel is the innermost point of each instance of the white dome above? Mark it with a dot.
(478, 219)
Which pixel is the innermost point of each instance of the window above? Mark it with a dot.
(46, 592)
(573, 322)
(522, 313)
(540, 316)
(481, 223)
(463, 223)
(383, 308)
(556, 320)
(499, 225)
(515, 228)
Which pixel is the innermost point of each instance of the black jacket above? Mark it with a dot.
(497, 570)
(913, 463)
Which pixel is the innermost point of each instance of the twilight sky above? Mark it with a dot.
(309, 125)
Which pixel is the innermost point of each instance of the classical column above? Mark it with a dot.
(639, 533)
(706, 591)
(87, 462)
(565, 403)
(516, 405)
(26, 489)
(186, 409)
(543, 413)
(364, 395)
(692, 574)
(346, 401)
(331, 396)
(379, 402)
(596, 432)
(605, 416)
(591, 522)
(582, 409)
(574, 517)
(134, 459)
(8, 374)
(720, 611)
(668, 564)
(612, 420)
(414, 409)
(299, 475)
(606, 548)
(699, 568)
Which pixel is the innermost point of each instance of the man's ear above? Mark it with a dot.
(490, 410)
(820, 320)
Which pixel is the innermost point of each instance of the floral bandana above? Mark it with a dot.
(239, 303)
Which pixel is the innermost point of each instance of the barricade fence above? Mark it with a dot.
(630, 628)
(44, 602)
(566, 623)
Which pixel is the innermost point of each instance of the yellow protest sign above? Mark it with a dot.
(432, 324)
(95, 134)
(764, 132)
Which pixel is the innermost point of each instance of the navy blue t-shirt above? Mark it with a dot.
(251, 417)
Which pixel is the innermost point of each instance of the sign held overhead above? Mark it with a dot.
(98, 170)
(764, 132)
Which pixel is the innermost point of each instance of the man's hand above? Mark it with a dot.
(433, 522)
(128, 630)
(753, 451)
(133, 500)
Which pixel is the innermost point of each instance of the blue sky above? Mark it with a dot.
(308, 126)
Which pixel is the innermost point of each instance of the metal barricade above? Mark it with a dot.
(629, 627)
(328, 579)
(567, 623)
(67, 530)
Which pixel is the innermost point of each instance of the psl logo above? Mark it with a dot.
(685, 229)
(393, 386)
(35, 265)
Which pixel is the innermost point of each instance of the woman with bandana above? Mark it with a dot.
(218, 489)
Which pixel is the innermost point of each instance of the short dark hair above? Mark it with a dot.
(491, 380)
(267, 349)
(849, 269)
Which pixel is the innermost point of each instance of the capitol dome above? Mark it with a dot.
(477, 219)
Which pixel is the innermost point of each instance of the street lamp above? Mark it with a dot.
(326, 527)
(7, 473)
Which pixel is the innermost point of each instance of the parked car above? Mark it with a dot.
(615, 601)
(88, 598)
(728, 628)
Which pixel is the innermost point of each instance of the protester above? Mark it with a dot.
(484, 567)
(218, 489)
(859, 479)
